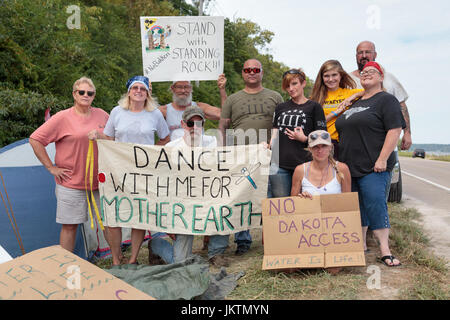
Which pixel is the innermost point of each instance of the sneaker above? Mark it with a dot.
(219, 261)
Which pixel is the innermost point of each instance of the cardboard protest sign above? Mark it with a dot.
(182, 190)
(182, 47)
(304, 233)
(54, 273)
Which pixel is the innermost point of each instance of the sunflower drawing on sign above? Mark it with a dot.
(245, 174)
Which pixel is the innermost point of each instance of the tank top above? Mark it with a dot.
(173, 119)
(330, 188)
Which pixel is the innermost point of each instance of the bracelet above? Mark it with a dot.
(335, 114)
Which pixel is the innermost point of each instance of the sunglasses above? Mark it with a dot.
(324, 135)
(82, 92)
(191, 123)
(292, 71)
(248, 70)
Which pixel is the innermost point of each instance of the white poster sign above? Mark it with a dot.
(182, 47)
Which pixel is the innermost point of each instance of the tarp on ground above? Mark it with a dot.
(184, 280)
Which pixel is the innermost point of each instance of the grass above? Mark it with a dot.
(422, 276)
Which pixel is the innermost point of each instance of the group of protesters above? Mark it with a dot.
(341, 139)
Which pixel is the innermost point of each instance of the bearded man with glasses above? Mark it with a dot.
(182, 99)
(249, 111)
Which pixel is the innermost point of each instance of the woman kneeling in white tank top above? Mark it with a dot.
(322, 175)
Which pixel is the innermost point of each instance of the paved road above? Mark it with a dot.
(426, 186)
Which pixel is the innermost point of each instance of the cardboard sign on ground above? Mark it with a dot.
(54, 273)
(304, 233)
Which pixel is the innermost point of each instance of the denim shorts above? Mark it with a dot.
(372, 199)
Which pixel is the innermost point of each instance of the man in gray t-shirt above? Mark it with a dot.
(250, 113)
(365, 52)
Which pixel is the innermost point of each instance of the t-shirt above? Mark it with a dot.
(362, 130)
(333, 99)
(251, 112)
(391, 84)
(136, 127)
(69, 131)
(207, 141)
(309, 116)
(173, 119)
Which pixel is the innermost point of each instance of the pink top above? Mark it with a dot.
(69, 132)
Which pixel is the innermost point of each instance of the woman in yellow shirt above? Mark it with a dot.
(332, 87)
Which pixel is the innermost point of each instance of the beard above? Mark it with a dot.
(182, 101)
(362, 63)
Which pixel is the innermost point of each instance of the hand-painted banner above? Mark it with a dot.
(182, 190)
(182, 48)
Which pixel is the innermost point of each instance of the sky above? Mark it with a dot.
(412, 41)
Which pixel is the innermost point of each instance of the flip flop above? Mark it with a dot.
(391, 257)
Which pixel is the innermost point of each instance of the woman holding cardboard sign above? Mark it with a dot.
(135, 120)
(369, 131)
(322, 175)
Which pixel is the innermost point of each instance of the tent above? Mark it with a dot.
(28, 208)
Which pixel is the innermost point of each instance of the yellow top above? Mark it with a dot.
(333, 99)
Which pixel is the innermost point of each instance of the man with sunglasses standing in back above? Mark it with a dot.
(249, 111)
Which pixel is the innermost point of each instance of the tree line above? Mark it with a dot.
(41, 56)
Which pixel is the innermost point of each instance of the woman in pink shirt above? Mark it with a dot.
(69, 129)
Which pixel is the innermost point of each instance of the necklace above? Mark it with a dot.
(324, 178)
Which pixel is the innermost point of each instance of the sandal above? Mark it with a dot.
(391, 257)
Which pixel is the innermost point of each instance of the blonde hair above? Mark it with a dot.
(83, 80)
(331, 161)
(320, 90)
(149, 105)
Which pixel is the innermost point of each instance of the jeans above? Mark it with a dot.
(176, 252)
(217, 244)
(372, 199)
(280, 182)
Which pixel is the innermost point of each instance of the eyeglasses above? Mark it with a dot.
(82, 92)
(191, 123)
(360, 53)
(323, 135)
(178, 87)
(368, 72)
(248, 70)
(138, 88)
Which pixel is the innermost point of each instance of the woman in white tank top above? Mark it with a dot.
(322, 175)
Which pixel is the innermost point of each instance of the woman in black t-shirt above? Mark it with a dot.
(293, 120)
(368, 133)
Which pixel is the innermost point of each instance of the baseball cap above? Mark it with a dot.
(192, 111)
(319, 137)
